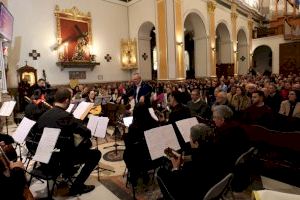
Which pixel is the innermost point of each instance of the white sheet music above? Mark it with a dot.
(101, 127)
(127, 121)
(82, 109)
(46, 145)
(158, 139)
(92, 123)
(152, 113)
(7, 108)
(71, 106)
(23, 130)
(184, 127)
(271, 195)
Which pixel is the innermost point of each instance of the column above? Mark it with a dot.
(201, 58)
(250, 29)
(179, 37)
(162, 40)
(234, 16)
(211, 6)
(145, 62)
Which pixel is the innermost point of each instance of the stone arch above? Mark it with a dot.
(262, 59)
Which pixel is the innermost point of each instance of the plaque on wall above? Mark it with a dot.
(77, 75)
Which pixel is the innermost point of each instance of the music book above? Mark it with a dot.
(46, 145)
(7, 108)
(23, 130)
(98, 126)
(71, 106)
(184, 127)
(82, 110)
(101, 127)
(127, 121)
(160, 138)
(274, 195)
(152, 113)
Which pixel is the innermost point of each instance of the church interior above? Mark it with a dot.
(150, 99)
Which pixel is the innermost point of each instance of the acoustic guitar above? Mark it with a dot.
(96, 110)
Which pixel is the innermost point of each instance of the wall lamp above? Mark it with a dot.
(179, 43)
(213, 49)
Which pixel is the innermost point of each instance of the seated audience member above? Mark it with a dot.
(36, 107)
(178, 110)
(291, 107)
(221, 99)
(192, 176)
(136, 154)
(240, 100)
(274, 99)
(69, 155)
(13, 183)
(231, 94)
(258, 113)
(197, 106)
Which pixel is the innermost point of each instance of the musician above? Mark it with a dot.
(193, 178)
(40, 85)
(24, 90)
(36, 107)
(142, 90)
(69, 155)
(136, 154)
(13, 184)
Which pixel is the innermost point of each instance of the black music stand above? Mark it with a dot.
(114, 111)
(98, 168)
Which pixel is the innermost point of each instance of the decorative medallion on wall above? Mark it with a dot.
(108, 58)
(77, 75)
(34, 54)
(242, 58)
(145, 56)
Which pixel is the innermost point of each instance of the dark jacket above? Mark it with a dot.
(145, 91)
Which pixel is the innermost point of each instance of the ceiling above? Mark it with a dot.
(126, 0)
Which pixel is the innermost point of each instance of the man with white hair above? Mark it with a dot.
(141, 90)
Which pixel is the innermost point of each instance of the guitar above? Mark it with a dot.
(96, 110)
(171, 153)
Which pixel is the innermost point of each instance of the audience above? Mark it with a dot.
(291, 107)
(197, 106)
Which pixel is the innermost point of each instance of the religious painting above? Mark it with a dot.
(74, 36)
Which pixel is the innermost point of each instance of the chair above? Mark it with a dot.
(242, 170)
(219, 190)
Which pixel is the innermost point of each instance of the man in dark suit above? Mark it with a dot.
(69, 155)
(142, 91)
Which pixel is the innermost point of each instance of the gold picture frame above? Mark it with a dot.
(74, 35)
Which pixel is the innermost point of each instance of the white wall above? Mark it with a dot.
(273, 42)
(35, 28)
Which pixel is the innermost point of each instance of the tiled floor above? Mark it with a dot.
(101, 192)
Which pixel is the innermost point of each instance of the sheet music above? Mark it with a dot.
(46, 145)
(184, 127)
(92, 123)
(158, 139)
(71, 106)
(152, 113)
(23, 130)
(101, 127)
(82, 110)
(127, 121)
(7, 108)
(271, 195)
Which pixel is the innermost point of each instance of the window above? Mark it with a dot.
(186, 60)
(154, 57)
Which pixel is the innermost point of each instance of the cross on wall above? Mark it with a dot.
(108, 58)
(34, 54)
(145, 56)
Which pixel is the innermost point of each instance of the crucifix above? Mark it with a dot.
(34, 54)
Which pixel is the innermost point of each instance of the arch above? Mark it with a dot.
(243, 28)
(223, 21)
(242, 52)
(145, 47)
(262, 59)
(196, 44)
(199, 13)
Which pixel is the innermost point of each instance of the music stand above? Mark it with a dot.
(6, 111)
(98, 126)
(113, 112)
